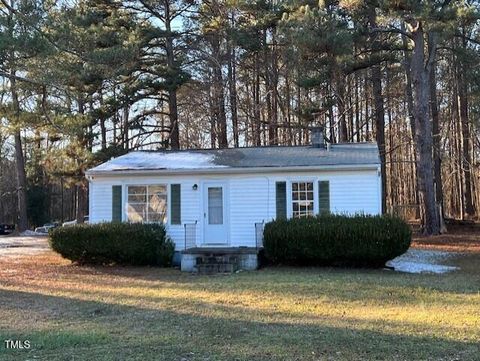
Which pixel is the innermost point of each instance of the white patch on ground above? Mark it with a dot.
(147, 160)
(422, 261)
(23, 246)
(29, 233)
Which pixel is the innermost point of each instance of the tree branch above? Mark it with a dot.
(392, 30)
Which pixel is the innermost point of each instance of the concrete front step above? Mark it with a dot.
(211, 264)
(205, 259)
(214, 268)
(215, 261)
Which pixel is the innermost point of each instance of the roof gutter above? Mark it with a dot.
(230, 170)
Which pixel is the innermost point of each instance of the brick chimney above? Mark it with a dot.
(317, 137)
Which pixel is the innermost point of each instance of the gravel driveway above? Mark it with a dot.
(22, 245)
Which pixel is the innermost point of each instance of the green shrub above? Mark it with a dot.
(120, 243)
(359, 240)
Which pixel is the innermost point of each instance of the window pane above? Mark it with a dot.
(215, 205)
(295, 196)
(147, 203)
(156, 215)
(161, 189)
(136, 212)
(158, 203)
(137, 190)
(137, 198)
(302, 199)
(310, 206)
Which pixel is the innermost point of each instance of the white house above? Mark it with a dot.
(215, 202)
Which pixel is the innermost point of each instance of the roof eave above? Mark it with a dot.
(231, 170)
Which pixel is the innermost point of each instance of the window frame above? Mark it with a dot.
(307, 178)
(147, 185)
(292, 201)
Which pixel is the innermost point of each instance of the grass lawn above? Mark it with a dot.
(121, 313)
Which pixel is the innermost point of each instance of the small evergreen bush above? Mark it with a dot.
(361, 240)
(120, 243)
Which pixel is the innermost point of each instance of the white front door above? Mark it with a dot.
(215, 220)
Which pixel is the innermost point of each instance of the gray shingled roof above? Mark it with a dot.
(347, 154)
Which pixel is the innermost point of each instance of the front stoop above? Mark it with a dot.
(218, 264)
(213, 261)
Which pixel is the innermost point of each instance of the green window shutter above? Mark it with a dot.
(175, 207)
(116, 203)
(324, 196)
(281, 199)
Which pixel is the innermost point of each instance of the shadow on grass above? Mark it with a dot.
(337, 283)
(92, 330)
(242, 306)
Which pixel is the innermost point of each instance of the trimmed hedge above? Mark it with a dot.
(359, 240)
(120, 243)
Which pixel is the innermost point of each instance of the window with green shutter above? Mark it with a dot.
(324, 196)
(175, 210)
(281, 199)
(116, 203)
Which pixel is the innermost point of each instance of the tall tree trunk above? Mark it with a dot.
(21, 177)
(340, 96)
(218, 94)
(257, 120)
(457, 154)
(407, 64)
(19, 161)
(466, 155)
(423, 133)
(357, 109)
(270, 87)
(380, 126)
(274, 82)
(172, 93)
(232, 90)
(21, 184)
(125, 121)
(379, 108)
(436, 134)
(81, 183)
(103, 129)
(288, 99)
(367, 113)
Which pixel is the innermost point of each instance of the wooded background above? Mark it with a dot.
(83, 81)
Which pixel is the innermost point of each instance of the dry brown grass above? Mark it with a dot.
(464, 239)
(140, 313)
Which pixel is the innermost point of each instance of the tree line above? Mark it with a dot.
(82, 81)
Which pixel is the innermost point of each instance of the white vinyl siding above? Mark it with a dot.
(250, 198)
(100, 205)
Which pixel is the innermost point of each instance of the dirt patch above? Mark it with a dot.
(460, 238)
